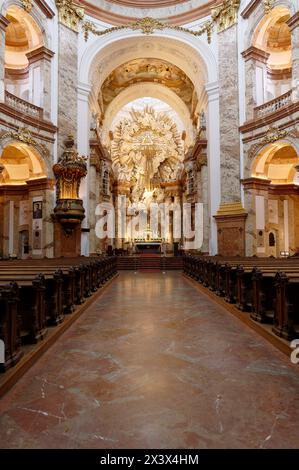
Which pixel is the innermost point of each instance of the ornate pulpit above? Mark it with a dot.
(69, 210)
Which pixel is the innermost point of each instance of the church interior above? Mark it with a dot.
(119, 330)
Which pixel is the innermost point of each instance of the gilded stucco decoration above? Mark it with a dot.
(268, 5)
(69, 171)
(225, 15)
(148, 70)
(146, 150)
(273, 134)
(27, 5)
(24, 135)
(147, 25)
(70, 14)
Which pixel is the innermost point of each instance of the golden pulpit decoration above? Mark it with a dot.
(69, 171)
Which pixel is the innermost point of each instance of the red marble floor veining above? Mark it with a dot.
(153, 363)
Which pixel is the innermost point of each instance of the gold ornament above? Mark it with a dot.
(69, 171)
(146, 150)
(70, 14)
(24, 135)
(268, 6)
(273, 134)
(225, 15)
(147, 26)
(27, 5)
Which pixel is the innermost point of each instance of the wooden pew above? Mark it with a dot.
(32, 306)
(286, 318)
(9, 325)
(53, 290)
(255, 285)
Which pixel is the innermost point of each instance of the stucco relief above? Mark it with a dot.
(149, 70)
(146, 150)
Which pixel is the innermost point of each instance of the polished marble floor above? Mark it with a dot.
(153, 363)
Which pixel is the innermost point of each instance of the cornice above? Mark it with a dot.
(48, 12)
(256, 54)
(3, 22)
(116, 19)
(293, 22)
(17, 74)
(252, 5)
(286, 111)
(37, 184)
(256, 183)
(283, 189)
(260, 184)
(39, 124)
(279, 74)
(39, 54)
(147, 3)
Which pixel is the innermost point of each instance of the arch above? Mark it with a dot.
(278, 46)
(152, 90)
(22, 36)
(276, 163)
(272, 241)
(20, 163)
(197, 60)
(35, 16)
(259, 15)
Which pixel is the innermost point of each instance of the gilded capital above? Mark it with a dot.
(27, 5)
(70, 14)
(225, 14)
(268, 6)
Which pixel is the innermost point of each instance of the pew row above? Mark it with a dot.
(264, 287)
(37, 294)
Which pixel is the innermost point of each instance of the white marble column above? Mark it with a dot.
(93, 200)
(83, 120)
(293, 23)
(205, 200)
(213, 138)
(255, 79)
(40, 79)
(3, 25)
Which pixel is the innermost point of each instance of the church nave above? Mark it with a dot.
(154, 363)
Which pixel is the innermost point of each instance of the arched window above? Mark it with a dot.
(22, 37)
(190, 182)
(271, 239)
(105, 183)
(272, 37)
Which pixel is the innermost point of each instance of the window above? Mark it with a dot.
(106, 182)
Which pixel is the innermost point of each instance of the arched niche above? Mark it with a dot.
(151, 90)
(23, 35)
(276, 163)
(21, 163)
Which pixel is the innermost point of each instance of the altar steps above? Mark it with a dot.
(149, 263)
